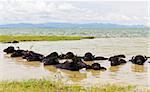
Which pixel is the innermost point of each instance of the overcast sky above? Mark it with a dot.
(43, 11)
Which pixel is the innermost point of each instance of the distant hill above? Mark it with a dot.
(69, 25)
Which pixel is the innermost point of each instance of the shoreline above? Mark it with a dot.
(24, 38)
(29, 38)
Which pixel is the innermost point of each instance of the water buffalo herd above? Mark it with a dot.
(73, 62)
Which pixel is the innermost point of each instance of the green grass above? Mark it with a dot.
(47, 86)
(9, 38)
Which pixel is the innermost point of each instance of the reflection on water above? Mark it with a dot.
(18, 68)
(51, 68)
(138, 68)
(95, 73)
(114, 68)
(74, 75)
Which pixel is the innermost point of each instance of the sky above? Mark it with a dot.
(74, 11)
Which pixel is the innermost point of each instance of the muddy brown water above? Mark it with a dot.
(19, 69)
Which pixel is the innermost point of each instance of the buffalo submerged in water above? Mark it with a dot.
(73, 62)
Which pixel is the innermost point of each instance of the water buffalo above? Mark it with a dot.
(97, 66)
(26, 54)
(15, 41)
(32, 56)
(9, 50)
(68, 55)
(90, 57)
(62, 56)
(18, 53)
(75, 65)
(14, 53)
(53, 54)
(51, 59)
(120, 56)
(139, 59)
(117, 60)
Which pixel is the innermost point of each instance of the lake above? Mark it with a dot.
(101, 33)
(19, 69)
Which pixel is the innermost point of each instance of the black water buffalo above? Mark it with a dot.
(32, 56)
(139, 59)
(26, 54)
(97, 66)
(90, 57)
(116, 57)
(14, 53)
(75, 65)
(15, 41)
(53, 54)
(51, 59)
(62, 56)
(120, 56)
(68, 55)
(117, 60)
(9, 50)
(18, 53)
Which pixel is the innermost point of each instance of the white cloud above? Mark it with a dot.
(66, 6)
(41, 11)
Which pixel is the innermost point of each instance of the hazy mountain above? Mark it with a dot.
(70, 25)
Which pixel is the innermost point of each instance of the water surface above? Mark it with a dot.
(19, 69)
(101, 33)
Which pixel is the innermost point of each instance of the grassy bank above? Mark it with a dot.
(8, 38)
(48, 86)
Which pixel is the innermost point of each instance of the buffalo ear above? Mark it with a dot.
(109, 59)
(146, 58)
(132, 58)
